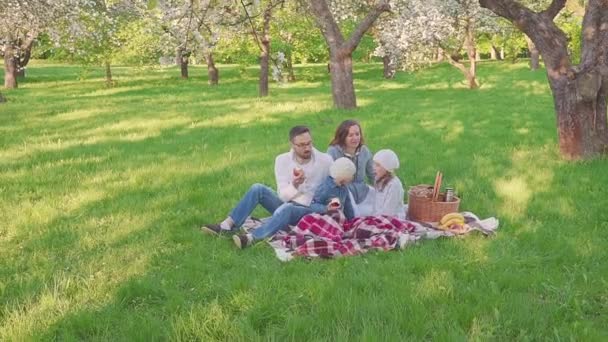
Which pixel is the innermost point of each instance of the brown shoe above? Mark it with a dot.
(242, 241)
(212, 229)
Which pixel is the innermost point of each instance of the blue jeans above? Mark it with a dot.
(283, 214)
(257, 194)
(286, 214)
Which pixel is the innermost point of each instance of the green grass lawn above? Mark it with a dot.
(102, 191)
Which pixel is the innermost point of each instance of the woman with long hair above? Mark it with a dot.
(348, 142)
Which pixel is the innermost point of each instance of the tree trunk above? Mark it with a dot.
(264, 61)
(389, 71)
(439, 55)
(340, 50)
(24, 57)
(534, 54)
(342, 86)
(471, 76)
(477, 56)
(2, 99)
(212, 72)
(469, 42)
(502, 54)
(494, 54)
(466, 72)
(108, 73)
(581, 115)
(265, 51)
(579, 92)
(10, 67)
(183, 65)
(291, 76)
(20, 74)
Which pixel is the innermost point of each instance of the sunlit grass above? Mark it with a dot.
(102, 190)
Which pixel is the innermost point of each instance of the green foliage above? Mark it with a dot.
(237, 50)
(365, 49)
(507, 37)
(366, 46)
(572, 25)
(140, 43)
(43, 47)
(294, 32)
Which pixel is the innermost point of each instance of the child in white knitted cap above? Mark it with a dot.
(332, 194)
(389, 189)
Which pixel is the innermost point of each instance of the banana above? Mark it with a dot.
(442, 227)
(450, 216)
(454, 221)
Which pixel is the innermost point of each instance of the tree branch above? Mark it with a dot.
(455, 63)
(507, 9)
(364, 25)
(253, 30)
(553, 10)
(548, 38)
(326, 22)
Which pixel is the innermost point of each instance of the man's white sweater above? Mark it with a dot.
(315, 171)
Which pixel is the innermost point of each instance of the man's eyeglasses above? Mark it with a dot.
(303, 145)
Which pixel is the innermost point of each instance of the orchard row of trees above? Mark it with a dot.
(406, 34)
(571, 37)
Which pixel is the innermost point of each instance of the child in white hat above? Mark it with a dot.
(332, 194)
(389, 189)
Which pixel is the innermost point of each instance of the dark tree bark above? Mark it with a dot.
(263, 40)
(291, 76)
(181, 58)
(24, 55)
(340, 49)
(212, 72)
(10, 67)
(109, 81)
(265, 51)
(534, 54)
(579, 92)
(183, 66)
(389, 70)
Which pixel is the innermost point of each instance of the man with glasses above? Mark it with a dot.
(298, 174)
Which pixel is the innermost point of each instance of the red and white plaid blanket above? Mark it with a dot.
(329, 236)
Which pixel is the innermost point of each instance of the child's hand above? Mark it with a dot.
(334, 204)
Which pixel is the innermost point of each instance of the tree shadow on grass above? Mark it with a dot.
(177, 178)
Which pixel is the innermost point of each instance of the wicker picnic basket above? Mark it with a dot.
(421, 206)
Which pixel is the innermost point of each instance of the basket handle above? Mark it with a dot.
(437, 186)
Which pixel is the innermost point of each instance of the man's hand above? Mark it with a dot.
(298, 180)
